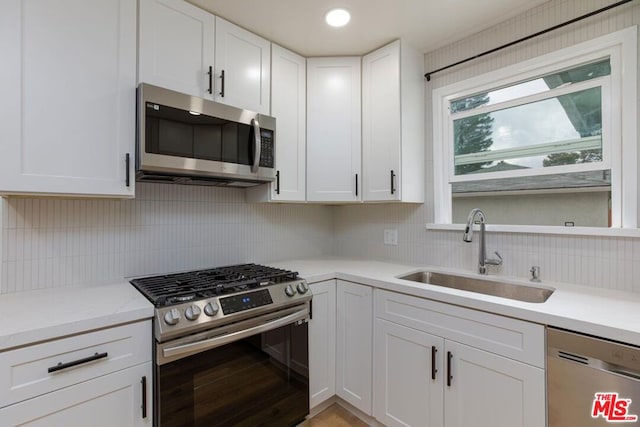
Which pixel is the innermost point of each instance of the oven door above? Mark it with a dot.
(252, 373)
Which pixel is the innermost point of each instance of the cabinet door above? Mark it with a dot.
(322, 342)
(107, 401)
(381, 138)
(333, 129)
(288, 106)
(176, 42)
(354, 344)
(68, 97)
(405, 392)
(488, 390)
(393, 124)
(243, 63)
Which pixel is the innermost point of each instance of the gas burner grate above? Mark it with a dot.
(176, 288)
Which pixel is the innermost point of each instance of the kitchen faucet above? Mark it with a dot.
(482, 250)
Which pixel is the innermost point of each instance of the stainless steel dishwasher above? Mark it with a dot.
(591, 381)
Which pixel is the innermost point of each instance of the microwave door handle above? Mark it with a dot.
(257, 145)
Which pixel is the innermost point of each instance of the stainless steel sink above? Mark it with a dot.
(496, 288)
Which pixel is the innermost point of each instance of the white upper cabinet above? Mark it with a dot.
(176, 46)
(242, 66)
(288, 106)
(393, 124)
(67, 80)
(333, 129)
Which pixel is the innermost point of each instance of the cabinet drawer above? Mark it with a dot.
(516, 339)
(25, 372)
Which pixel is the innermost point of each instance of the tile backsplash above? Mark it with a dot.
(59, 242)
(603, 262)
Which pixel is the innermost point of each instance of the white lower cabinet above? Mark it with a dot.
(442, 365)
(111, 400)
(99, 378)
(488, 390)
(322, 342)
(354, 343)
(340, 343)
(408, 388)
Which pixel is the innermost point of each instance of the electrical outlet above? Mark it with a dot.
(391, 237)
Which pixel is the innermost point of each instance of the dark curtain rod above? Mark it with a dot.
(539, 33)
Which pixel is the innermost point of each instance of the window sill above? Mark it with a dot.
(541, 229)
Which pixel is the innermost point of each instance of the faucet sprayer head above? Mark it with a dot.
(468, 234)
(468, 231)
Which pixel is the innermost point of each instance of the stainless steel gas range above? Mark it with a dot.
(231, 346)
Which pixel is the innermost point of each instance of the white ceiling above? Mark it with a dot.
(426, 24)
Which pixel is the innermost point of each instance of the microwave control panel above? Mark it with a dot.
(267, 149)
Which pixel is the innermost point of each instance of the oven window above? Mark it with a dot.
(262, 380)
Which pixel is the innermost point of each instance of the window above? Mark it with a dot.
(547, 146)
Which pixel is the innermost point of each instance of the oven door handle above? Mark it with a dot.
(196, 347)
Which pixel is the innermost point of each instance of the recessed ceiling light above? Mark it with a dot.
(337, 17)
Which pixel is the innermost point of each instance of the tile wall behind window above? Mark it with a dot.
(592, 261)
(56, 242)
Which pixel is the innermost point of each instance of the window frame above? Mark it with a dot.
(619, 133)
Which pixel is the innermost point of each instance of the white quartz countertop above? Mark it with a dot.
(609, 314)
(41, 315)
(35, 316)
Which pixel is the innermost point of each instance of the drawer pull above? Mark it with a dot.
(60, 366)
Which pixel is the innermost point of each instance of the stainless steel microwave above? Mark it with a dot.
(189, 140)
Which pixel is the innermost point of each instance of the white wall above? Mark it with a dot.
(593, 261)
(56, 242)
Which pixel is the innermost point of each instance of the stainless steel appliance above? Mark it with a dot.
(189, 140)
(591, 381)
(231, 346)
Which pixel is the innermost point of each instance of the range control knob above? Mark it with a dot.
(192, 312)
(172, 317)
(289, 290)
(211, 309)
(302, 288)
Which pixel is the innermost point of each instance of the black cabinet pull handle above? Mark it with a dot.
(144, 397)
(393, 180)
(449, 376)
(210, 73)
(222, 84)
(127, 165)
(277, 182)
(434, 370)
(60, 366)
(356, 185)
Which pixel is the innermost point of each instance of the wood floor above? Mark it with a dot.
(334, 416)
